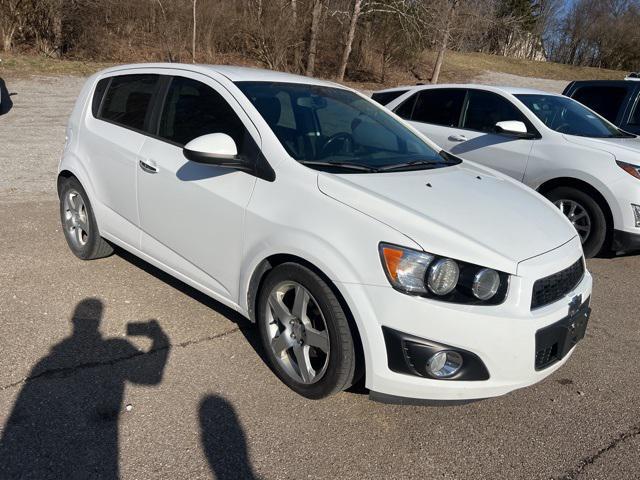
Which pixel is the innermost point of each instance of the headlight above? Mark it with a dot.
(633, 170)
(421, 273)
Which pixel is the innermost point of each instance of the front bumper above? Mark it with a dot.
(503, 337)
(625, 241)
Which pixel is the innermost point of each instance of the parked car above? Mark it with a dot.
(356, 244)
(616, 100)
(585, 165)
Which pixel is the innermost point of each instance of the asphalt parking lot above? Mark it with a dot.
(186, 393)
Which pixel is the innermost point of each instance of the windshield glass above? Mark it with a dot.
(565, 115)
(331, 128)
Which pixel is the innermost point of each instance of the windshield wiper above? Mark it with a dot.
(347, 165)
(414, 163)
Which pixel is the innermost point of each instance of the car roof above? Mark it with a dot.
(477, 86)
(233, 73)
(625, 82)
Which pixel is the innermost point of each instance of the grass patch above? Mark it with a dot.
(457, 68)
(20, 65)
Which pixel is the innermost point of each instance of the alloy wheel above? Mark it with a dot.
(577, 215)
(297, 331)
(76, 219)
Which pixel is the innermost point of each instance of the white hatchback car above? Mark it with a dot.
(357, 245)
(580, 161)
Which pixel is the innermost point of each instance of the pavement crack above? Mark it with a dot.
(583, 464)
(64, 372)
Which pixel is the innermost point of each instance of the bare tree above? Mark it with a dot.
(445, 40)
(11, 17)
(193, 37)
(316, 13)
(357, 6)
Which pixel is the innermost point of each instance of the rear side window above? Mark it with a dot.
(128, 100)
(384, 98)
(98, 95)
(193, 109)
(485, 109)
(439, 107)
(605, 100)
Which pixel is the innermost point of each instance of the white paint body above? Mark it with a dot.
(537, 161)
(211, 227)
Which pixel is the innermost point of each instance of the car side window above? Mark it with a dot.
(634, 119)
(439, 107)
(605, 100)
(405, 109)
(193, 109)
(98, 95)
(127, 101)
(485, 109)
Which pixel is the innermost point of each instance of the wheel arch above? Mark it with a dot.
(62, 176)
(266, 265)
(586, 187)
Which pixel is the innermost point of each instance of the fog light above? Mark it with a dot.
(636, 213)
(444, 364)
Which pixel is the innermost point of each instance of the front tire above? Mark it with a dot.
(79, 223)
(586, 215)
(305, 332)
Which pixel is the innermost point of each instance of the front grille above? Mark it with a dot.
(549, 289)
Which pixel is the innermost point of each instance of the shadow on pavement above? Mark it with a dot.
(223, 440)
(64, 423)
(247, 328)
(6, 104)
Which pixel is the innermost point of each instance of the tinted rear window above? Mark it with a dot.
(128, 100)
(98, 95)
(384, 98)
(605, 100)
(440, 107)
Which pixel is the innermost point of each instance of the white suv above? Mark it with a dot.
(580, 161)
(358, 246)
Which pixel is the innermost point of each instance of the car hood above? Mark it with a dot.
(618, 147)
(465, 212)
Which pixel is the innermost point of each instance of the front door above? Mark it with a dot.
(478, 141)
(191, 214)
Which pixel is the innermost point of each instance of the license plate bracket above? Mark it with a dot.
(556, 340)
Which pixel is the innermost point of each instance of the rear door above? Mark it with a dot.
(191, 214)
(436, 113)
(115, 133)
(477, 140)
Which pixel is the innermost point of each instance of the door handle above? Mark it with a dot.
(458, 138)
(148, 166)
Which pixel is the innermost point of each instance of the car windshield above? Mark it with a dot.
(337, 130)
(566, 115)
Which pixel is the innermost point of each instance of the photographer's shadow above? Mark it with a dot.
(64, 423)
(223, 440)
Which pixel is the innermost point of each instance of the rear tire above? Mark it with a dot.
(317, 332)
(570, 199)
(79, 223)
